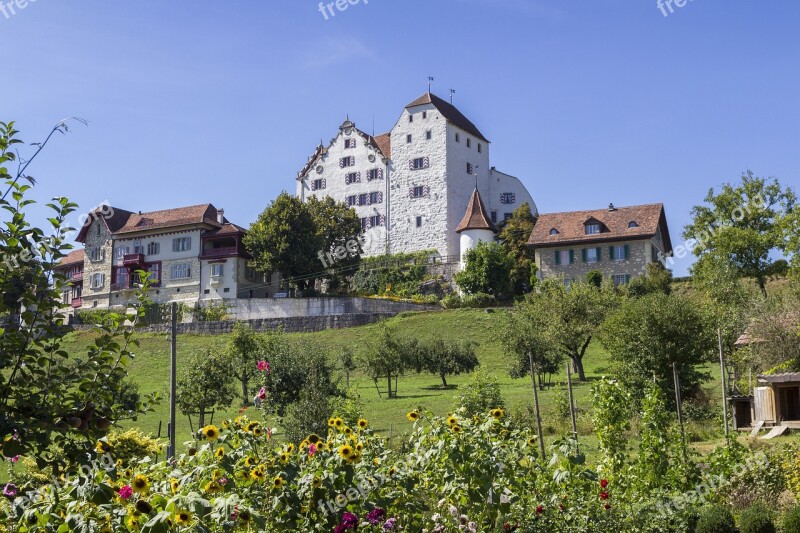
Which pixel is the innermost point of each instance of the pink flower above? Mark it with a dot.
(269, 433)
(312, 450)
(14, 459)
(125, 492)
(603, 483)
(263, 366)
(10, 490)
(262, 394)
(223, 481)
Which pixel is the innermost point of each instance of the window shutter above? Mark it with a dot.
(627, 251)
(558, 257)
(380, 197)
(411, 165)
(426, 190)
(383, 220)
(102, 279)
(599, 252)
(411, 192)
(583, 255)
(571, 256)
(611, 253)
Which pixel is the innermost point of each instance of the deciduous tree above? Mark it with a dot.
(487, 270)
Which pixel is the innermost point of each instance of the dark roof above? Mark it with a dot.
(450, 112)
(570, 226)
(475, 217)
(786, 377)
(384, 144)
(114, 220)
(181, 216)
(75, 257)
(226, 229)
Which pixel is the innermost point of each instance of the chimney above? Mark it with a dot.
(221, 216)
(611, 207)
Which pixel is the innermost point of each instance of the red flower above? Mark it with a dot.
(263, 366)
(561, 506)
(603, 483)
(539, 509)
(607, 506)
(604, 495)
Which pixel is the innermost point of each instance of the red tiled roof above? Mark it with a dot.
(113, 217)
(227, 229)
(475, 217)
(181, 216)
(570, 226)
(73, 258)
(384, 144)
(450, 112)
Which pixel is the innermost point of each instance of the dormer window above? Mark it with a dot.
(554, 231)
(349, 143)
(633, 224)
(593, 229)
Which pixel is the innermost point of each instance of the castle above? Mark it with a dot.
(412, 186)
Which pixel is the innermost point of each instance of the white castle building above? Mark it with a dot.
(411, 187)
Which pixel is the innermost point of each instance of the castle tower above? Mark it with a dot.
(475, 227)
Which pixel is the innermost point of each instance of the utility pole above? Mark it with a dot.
(173, 378)
(678, 406)
(536, 404)
(572, 408)
(724, 384)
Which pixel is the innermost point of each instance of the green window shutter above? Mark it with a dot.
(571, 256)
(599, 254)
(558, 258)
(583, 255)
(611, 253)
(627, 251)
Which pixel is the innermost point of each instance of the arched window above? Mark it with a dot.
(554, 231)
(633, 224)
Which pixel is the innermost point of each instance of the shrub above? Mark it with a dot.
(715, 519)
(310, 414)
(348, 407)
(757, 519)
(132, 445)
(791, 520)
(93, 316)
(478, 300)
(451, 301)
(480, 394)
(212, 312)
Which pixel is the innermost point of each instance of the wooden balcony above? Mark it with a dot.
(77, 276)
(132, 259)
(212, 253)
(77, 302)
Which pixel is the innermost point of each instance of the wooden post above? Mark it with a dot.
(724, 384)
(173, 380)
(572, 408)
(678, 406)
(536, 405)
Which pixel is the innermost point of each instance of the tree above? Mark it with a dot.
(791, 246)
(245, 349)
(514, 234)
(742, 226)
(645, 336)
(337, 230)
(487, 270)
(447, 359)
(655, 279)
(570, 316)
(525, 337)
(205, 384)
(49, 397)
(284, 239)
(390, 358)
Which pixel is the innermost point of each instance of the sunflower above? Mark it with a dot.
(278, 482)
(376, 462)
(413, 416)
(144, 507)
(103, 447)
(313, 439)
(210, 432)
(359, 446)
(251, 426)
(392, 471)
(132, 522)
(174, 484)
(345, 452)
(355, 458)
(456, 429)
(305, 444)
(257, 431)
(225, 424)
(212, 487)
(245, 516)
(219, 453)
(532, 441)
(140, 483)
(347, 431)
(331, 422)
(106, 529)
(452, 421)
(183, 518)
(338, 422)
(289, 448)
(284, 458)
(316, 482)
(257, 474)
(362, 423)
(497, 413)
(250, 461)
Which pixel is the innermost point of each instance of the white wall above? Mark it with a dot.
(499, 183)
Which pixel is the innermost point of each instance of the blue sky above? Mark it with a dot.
(587, 102)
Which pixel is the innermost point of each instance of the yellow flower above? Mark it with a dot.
(289, 448)
(132, 522)
(338, 422)
(359, 446)
(316, 483)
(219, 453)
(250, 461)
(345, 452)
(174, 484)
(106, 529)
(452, 421)
(245, 516)
(212, 487)
(278, 482)
(456, 429)
(225, 424)
(183, 517)
(257, 431)
(284, 458)
(140, 483)
(362, 423)
(392, 471)
(313, 439)
(413, 416)
(532, 441)
(331, 422)
(497, 413)
(251, 426)
(376, 461)
(210, 432)
(257, 474)
(355, 458)
(102, 447)
(347, 431)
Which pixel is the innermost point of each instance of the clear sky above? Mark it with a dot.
(588, 102)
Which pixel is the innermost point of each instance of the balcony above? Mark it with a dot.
(77, 303)
(116, 287)
(211, 253)
(77, 276)
(132, 259)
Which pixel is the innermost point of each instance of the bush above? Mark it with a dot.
(451, 301)
(791, 520)
(478, 300)
(757, 519)
(93, 316)
(716, 519)
(310, 414)
(480, 394)
(212, 312)
(349, 407)
(132, 445)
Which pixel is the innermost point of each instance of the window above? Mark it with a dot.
(375, 174)
(318, 184)
(207, 291)
(352, 177)
(155, 273)
(216, 270)
(352, 200)
(97, 254)
(181, 271)
(408, 139)
(153, 248)
(469, 142)
(250, 274)
(419, 191)
(591, 255)
(98, 280)
(554, 231)
(428, 135)
(349, 143)
(494, 217)
(633, 224)
(593, 229)
(123, 278)
(424, 114)
(137, 247)
(226, 289)
(419, 222)
(419, 163)
(373, 221)
(363, 199)
(508, 198)
(565, 257)
(348, 161)
(182, 244)
(121, 251)
(469, 169)
(620, 279)
(619, 253)
(458, 137)
(480, 147)
(375, 197)
(506, 216)
(410, 117)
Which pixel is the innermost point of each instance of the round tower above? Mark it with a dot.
(475, 227)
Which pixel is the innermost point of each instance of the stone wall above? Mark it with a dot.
(264, 308)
